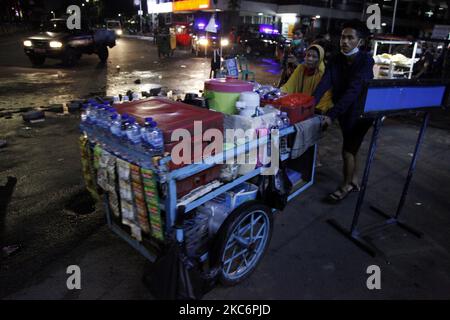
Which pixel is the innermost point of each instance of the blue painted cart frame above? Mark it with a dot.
(169, 204)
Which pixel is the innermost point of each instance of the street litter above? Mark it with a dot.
(33, 116)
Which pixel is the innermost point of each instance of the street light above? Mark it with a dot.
(140, 13)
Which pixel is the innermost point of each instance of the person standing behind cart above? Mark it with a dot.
(298, 46)
(307, 76)
(345, 75)
(424, 67)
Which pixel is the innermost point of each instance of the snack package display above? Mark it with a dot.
(139, 200)
(87, 167)
(126, 194)
(152, 203)
(114, 204)
(136, 232)
(102, 173)
(106, 179)
(111, 171)
(97, 155)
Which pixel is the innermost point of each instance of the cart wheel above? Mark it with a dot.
(242, 241)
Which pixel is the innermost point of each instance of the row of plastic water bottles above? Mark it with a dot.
(105, 121)
(282, 120)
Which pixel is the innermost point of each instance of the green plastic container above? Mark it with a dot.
(223, 93)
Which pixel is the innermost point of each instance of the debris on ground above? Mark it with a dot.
(55, 108)
(33, 116)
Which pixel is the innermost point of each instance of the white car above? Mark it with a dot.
(116, 26)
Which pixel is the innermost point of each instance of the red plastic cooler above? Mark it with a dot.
(171, 115)
(298, 106)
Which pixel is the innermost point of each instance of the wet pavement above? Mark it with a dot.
(307, 259)
(130, 60)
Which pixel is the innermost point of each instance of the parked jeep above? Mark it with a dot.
(56, 41)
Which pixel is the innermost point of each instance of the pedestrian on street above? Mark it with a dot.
(233, 40)
(345, 75)
(155, 34)
(424, 67)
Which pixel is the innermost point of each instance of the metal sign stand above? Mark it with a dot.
(353, 234)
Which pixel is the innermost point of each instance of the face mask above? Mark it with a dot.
(354, 51)
(296, 42)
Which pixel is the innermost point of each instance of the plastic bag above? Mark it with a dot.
(274, 190)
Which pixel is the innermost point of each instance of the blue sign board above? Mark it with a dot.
(385, 96)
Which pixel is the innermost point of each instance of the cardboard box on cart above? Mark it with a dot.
(170, 116)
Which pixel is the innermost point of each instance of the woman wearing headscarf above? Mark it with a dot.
(307, 76)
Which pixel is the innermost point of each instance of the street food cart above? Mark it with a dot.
(224, 220)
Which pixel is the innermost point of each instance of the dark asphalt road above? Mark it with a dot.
(307, 259)
(21, 85)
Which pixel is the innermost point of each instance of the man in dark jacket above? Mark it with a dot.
(345, 75)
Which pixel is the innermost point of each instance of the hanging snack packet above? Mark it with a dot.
(114, 204)
(139, 201)
(87, 167)
(111, 170)
(152, 202)
(97, 155)
(123, 169)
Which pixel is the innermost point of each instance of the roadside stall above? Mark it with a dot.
(394, 57)
(218, 203)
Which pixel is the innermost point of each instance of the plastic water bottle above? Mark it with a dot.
(136, 96)
(109, 112)
(286, 120)
(101, 116)
(123, 128)
(133, 134)
(92, 113)
(284, 140)
(84, 113)
(279, 123)
(157, 138)
(146, 135)
(116, 125)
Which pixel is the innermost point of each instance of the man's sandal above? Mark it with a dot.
(340, 194)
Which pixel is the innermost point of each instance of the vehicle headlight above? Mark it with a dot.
(55, 44)
(224, 42)
(27, 43)
(119, 32)
(203, 42)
